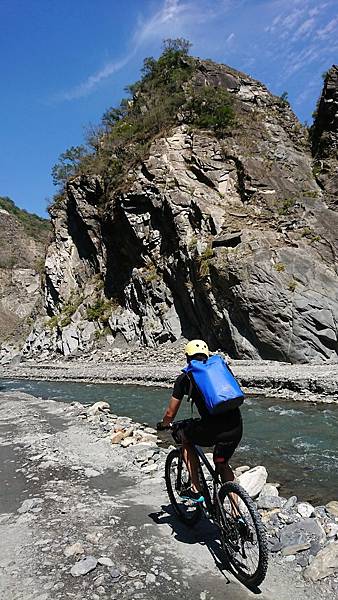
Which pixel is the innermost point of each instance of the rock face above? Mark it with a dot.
(22, 253)
(230, 240)
(325, 138)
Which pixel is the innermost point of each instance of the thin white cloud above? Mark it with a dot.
(328, 29)
(230, 39)
(159, 25)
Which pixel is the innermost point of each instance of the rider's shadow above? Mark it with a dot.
(204, 533)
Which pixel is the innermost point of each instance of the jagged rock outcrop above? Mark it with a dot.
(325, 138)
(22, 254)
(230, 240)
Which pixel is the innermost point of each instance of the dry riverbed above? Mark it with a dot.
(311, 382)
(81, 517)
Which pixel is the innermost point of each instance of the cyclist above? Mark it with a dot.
(224, 431)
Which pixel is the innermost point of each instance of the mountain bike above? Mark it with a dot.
(227, 505)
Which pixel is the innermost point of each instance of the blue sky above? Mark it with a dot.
(64, 62)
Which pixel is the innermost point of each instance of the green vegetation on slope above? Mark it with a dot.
(164, 96)
(35, 227)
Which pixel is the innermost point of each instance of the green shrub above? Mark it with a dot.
(101, 310)
(204, 261)
(211, 108)
(286, 205)
(150, 273)
(280, 267)
(292, 285)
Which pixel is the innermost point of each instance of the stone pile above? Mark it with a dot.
(300, 533)
(304, 536)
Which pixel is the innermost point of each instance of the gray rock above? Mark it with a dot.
(290, 503)
(324, 564)
(115, 573)
(302, 532)
(253, 480)
(74, 549)
(305, 509)
(294, 549)
(268, 502)
(29, 504)
(150, 578)
(104, 560)
(83, 566)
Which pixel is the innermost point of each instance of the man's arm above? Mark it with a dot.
(171, 411)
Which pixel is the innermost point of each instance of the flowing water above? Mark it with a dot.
(296, 441)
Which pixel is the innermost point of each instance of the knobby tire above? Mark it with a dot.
(180, 507)
(234, 558)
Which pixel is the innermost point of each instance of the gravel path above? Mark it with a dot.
(66, 493)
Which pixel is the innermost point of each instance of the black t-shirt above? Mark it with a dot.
(231, 418)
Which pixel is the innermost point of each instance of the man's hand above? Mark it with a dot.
(161, 426)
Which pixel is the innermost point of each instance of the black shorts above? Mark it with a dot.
(209, 432)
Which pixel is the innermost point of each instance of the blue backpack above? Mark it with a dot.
(216, 384)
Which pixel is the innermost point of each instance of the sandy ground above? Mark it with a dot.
(85, 490)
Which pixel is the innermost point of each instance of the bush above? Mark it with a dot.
(211, 108)
(101, 310)
(286, 205)
(280, 267)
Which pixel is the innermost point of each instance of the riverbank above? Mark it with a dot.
(73, 502)
(314, 383)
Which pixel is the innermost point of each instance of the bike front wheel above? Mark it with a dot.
(243, 534)
(177, 480)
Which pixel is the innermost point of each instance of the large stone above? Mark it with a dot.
(254, 480)
(332, 508)
(268, 502)
(302, 532)
(98, 408)
(117, 437)
(305, 509)
(84, 566)
(73, 550)
(324, 564)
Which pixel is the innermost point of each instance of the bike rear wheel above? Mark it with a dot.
(243, 535)
(177, 480)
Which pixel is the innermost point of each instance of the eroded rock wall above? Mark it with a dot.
(231, 240)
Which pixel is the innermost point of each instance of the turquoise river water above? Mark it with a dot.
(296, 441)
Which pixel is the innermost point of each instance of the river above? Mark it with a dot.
(296, 441)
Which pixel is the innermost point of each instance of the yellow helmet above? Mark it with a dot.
(196, 347)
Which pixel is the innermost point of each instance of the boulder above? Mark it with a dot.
(269, 490)
(324, 564)
(268, 502)
(83, 566)
(253, 480)
(117, 437)
(305, 509)
(332, 508)
(295, 548)
(74, 549)
(302, 532)
(98, 408)
(127, 442)
(290, 503)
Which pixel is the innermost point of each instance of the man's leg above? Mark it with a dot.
(191, 460)
(225, 471)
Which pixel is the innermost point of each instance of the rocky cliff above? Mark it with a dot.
(23, 240)
(231, 238)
